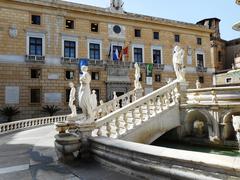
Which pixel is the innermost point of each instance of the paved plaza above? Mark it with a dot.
(30, 155)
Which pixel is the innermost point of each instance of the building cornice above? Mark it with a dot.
(70, 6)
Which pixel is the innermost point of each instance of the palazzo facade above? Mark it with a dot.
(42, 42)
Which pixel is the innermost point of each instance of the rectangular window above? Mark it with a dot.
(67, 94)
(69, 24)
(158, 78)
(138, 55)
(70, 49)
(94, 27)
(177, 38)
(199, 41)
(35, 96)
(219, 56)
(94, 51)
(137, 33)
(228, 80)
(69, 75)
(36, 19)
(35, 46)
(156, 56)
(200, 61)
(35, 73)
(95, 76)
(156, 35)
(201, 79)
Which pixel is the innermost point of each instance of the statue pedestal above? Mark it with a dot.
(183, 86)
(84, 131)
(74, 119)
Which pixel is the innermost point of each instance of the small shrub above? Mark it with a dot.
(51, 109)
(9, 112)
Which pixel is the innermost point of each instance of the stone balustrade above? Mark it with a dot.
(115, 104)
(215, 95)
(28, 123)
(101, 110)
(122, 120)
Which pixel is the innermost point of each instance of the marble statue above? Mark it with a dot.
(94, 99)
(137, 83)
(72, 99)
(169, 80)
(198, 127)
(114, 95)
(117, 4)
(236, 127)
(178, 63)
(84, 94)
(198, 84)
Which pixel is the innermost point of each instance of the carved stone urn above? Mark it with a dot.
(67, 146)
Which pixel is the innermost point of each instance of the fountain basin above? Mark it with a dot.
(67, 146)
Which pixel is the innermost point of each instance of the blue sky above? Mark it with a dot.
(183, 10)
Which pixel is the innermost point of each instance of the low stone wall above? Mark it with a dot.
(152, 162)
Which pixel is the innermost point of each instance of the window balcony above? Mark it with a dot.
(35, 58)
(159, 66)
(201, 69)
(68, 60)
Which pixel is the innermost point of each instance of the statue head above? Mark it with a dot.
(136, 65)
(84, 68)
(93, 91)
(176, 49)
(71, 85)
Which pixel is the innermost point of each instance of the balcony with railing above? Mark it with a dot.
(35, 59)
(68, 60)
(201, 69)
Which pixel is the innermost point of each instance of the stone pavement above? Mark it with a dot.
(30, 155)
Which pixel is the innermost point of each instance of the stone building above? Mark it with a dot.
(225, 55)
(43, 40)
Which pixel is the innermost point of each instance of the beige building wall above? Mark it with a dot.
(15, 71)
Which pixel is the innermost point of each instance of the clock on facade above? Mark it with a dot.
(117, 29)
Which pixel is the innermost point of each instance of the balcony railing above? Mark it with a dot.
(35, 58)
(201, 69)
(67, 60)
(159, 66)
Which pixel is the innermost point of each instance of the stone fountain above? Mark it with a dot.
(236, 126)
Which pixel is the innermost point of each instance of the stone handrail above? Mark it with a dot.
(214, 95)
(28, 123)
(115, 104)
(230, 88)
(143, 108)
